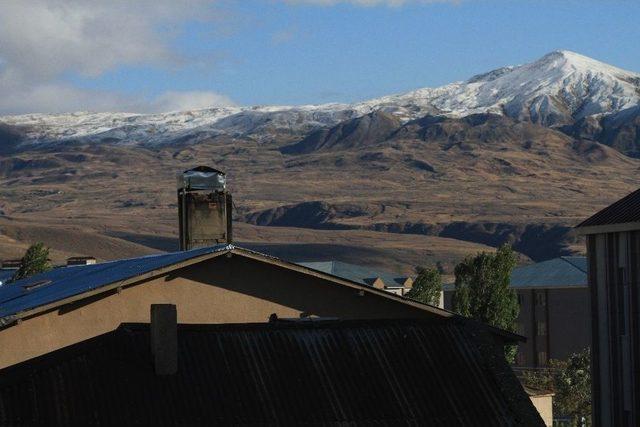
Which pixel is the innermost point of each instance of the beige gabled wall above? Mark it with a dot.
(544, 406)
(220, 290)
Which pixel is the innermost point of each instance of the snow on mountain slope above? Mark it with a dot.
(560, 86)
(557, 89)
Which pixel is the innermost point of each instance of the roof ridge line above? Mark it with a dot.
(564, 258)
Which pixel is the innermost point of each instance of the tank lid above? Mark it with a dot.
(202, 178)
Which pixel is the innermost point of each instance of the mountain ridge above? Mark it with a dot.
(558, 89)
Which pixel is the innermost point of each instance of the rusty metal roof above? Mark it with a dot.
(625, 210)
(382, 372)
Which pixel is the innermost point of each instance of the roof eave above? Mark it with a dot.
(508, 337)
(356, 285)
(583, 230)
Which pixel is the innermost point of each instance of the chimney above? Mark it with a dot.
(204, 208)
(164, 338)
(80, 260)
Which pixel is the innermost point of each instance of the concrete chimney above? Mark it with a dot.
(164, 338)
(204, 208)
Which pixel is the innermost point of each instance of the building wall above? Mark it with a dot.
(544, 406)
(556, 323)
(221, 290)
(614, 279)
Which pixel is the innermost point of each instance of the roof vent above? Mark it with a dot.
(11, 264)
(80, 260)
(35, 285)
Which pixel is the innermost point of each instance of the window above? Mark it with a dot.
(542, 358)
(541, 328)
(520, 299)
(521, 359)
(541, 298)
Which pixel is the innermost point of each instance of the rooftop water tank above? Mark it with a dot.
(204, 208)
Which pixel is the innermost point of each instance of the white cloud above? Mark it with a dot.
(42, 42)
(190, 100)
(53, 97)
(61, 98)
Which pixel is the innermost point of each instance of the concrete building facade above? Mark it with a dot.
(613, 250)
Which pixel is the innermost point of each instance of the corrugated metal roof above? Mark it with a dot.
(61, 283)
(355, 273)
(623, 211)
(323, 373)
(5, 275)
(563, 272)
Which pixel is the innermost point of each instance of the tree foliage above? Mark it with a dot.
(427, 286)
(482, 290)
(570, 380)
(34, 261)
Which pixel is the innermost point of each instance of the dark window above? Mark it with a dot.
(542, 358)
(541, 298)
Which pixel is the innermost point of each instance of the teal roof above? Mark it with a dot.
(563, 272)
(356, 273)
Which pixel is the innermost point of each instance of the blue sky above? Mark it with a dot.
(196, 53)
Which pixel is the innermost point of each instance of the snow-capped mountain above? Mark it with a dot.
(558, 89)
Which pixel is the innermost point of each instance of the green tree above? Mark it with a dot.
(570, 380)
(482, 290)
(573, 387)
(34, 261)
(427, 287)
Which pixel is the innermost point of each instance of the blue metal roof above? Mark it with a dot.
(563, 272)
(6, 274)
(355, 273)
(61, 283)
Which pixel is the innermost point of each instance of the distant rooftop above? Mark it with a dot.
(562, 272)
(356, 273)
